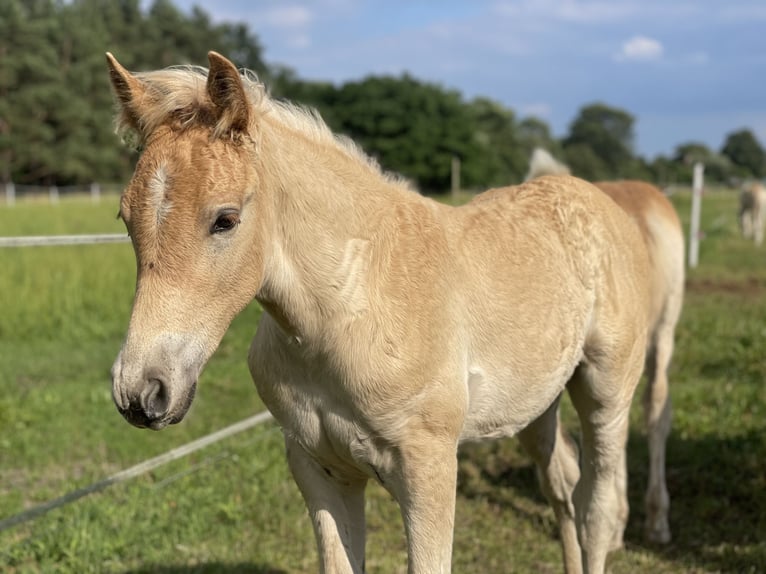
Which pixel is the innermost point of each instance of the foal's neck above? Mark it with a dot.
(332, 216)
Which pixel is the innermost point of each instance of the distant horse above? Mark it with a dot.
(663, 235)
(752, 211)
(394, 326)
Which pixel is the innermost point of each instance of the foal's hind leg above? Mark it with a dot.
(555, 455)
(657, 412)
(336, 508)
(602, 400)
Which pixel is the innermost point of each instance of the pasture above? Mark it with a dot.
(232, 508)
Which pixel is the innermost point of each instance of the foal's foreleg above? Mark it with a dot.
(336, 508)
(424, 486)
(555, 455)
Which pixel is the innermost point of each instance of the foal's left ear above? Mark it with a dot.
(227, 92)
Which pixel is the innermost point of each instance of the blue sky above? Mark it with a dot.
(686, 70)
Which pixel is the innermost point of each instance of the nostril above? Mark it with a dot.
(155, 398)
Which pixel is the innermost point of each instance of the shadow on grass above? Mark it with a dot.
(717, 488)
(209, 568)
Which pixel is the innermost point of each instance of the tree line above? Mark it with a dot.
(56, 108)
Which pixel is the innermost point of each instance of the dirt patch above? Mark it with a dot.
(744, 287)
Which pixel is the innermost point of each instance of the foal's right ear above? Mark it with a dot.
(129, 91)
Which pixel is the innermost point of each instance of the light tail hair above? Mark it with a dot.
(543, 163)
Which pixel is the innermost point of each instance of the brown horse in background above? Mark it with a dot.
(663, 235)
(394, 328)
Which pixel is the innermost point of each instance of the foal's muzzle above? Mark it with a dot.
(151, 409)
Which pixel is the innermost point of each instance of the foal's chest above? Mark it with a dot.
(315, 411)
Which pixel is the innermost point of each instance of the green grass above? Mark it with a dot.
(233, 508)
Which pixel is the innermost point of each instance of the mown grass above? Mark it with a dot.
(232, 508)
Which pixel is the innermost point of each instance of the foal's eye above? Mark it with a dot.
(226, 221)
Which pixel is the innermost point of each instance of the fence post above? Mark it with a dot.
(53, 193)
(694, 226)
(95, 192)
(10, 193)
(455, 177)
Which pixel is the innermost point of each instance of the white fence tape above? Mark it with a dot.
(147, 465)
(136, 470)
(49, 240)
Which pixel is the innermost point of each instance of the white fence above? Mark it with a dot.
(11, 192)
(51, 240)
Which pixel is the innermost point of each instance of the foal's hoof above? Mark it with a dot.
(616, 543)
(658, 534)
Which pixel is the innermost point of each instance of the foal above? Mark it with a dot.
(752, 211)
(394, 326)
(663, 235)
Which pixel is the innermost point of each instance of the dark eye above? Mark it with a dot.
(226, 221)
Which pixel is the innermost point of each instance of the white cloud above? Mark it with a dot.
(640, 48)
(539, 110)
(568, 10)
(289, 17)
(294, 21)
(698, 58)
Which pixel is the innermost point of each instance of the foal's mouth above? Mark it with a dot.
(138, 417)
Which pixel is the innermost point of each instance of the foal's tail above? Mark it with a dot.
(543, 163)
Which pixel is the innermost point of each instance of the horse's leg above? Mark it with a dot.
(602, 400)
(758, 218)
(657, 413)
(555, 455)
(424, 484)
(746, 219)
(336, 508)
(621, 494)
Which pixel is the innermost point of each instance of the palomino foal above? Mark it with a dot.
(752, 211)
(662, 232)
(394, 326)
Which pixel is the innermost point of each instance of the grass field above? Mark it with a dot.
(232, 508)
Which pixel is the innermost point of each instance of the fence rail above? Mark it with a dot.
(11, 192)
(50, 240)
(147, 465)
(137, 470)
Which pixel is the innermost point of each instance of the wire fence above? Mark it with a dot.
(11, 192)
(142, 467)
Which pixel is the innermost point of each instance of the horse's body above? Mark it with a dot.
(752, 211)
(395, 327)
(663, 235)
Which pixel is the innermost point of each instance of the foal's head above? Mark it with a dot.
(192, 210)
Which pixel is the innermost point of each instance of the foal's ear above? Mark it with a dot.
(227, 92)
(128, 89)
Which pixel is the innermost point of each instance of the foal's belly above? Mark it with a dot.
(502, 404)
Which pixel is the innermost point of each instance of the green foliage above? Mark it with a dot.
(503, 158)
(56, 108)
(534, 132)
(411, 127)
(744, 151)
(717, 167)
(55, 104)
(600, 142)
